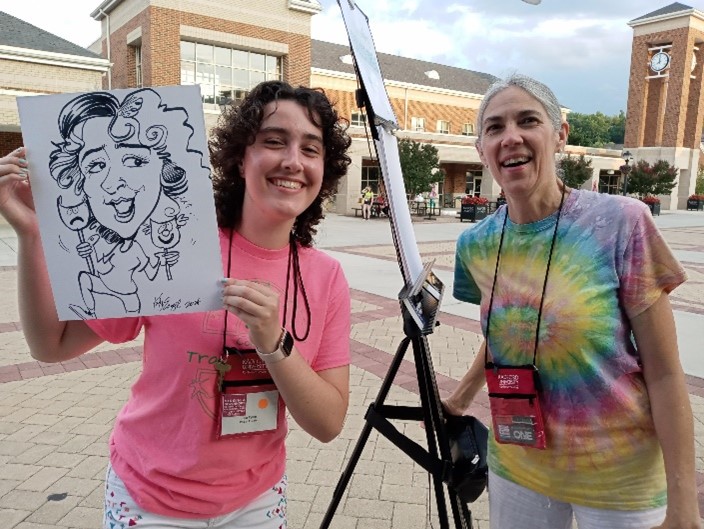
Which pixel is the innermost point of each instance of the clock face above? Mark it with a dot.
(659, 61)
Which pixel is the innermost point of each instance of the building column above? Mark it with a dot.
(349, 188)
(687, 181)
(490, 187)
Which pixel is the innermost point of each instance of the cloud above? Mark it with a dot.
(582, 50)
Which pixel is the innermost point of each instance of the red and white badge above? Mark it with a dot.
(515, 405)
(249, 400)
(246, 411)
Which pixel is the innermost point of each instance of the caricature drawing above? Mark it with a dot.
(76, 219)
(114, 169)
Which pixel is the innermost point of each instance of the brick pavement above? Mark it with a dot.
(55, 418)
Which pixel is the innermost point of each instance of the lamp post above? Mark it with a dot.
(625, 169)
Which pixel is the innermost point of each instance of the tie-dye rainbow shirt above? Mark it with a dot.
(610, 263)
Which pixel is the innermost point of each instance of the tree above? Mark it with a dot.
(575, 171)
(420, 165)
(617, 131)
(699, 187)
(596, 130)
(657, 179)
(588, 130)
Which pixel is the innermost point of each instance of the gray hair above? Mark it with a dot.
(535, 88)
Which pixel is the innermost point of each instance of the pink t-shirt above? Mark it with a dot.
(164, 445)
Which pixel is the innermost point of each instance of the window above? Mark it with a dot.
(138, 66)
(418, 124)
(370, 177)
(443, 127)
(225, 74)
(468, 129)
(611, 184)
(358, 118)
(473, 182)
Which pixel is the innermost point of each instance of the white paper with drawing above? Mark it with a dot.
(121, 184)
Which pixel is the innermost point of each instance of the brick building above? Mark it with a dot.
(665, 99)
(34, 62)
(228, 47)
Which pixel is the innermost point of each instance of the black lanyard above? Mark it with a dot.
(292, 266)
(545, 282)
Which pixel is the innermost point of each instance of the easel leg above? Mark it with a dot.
(430, 403)
(436, 436)
(364, 436)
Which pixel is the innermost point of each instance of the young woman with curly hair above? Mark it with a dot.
(201, 440)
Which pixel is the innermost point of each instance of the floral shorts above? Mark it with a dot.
(268, 511)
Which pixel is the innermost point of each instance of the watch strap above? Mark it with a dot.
(282, 351)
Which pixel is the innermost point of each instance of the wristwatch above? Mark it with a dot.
(282, 351)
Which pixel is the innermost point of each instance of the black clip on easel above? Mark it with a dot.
(419, 306)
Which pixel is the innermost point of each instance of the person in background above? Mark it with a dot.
(367, 199)
(574, 285)
(179, 455)
(432, 198)
(381, 205)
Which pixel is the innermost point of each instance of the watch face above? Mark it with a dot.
(659, 61)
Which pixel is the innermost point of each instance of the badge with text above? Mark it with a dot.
(249, 400)
(244, 412)
(515, 405)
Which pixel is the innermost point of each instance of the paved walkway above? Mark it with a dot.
(55, 418)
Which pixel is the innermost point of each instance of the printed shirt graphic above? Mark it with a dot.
(164, 445)
(610, 263)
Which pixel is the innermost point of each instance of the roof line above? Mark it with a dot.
(398, 84)
(103, 9)
(687, 11)
(59, 59)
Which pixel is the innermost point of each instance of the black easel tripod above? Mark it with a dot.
(419, 299)
(430, 412)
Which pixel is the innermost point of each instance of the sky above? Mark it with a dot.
(580, 49)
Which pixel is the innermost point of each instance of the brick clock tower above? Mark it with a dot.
(666, 93)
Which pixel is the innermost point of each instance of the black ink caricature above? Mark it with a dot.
(122, 195)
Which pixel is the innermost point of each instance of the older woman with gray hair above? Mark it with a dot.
(590, 413)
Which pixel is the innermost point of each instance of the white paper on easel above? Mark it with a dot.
(367, 64)
(405, 237)
(122, 189)
(362, 44)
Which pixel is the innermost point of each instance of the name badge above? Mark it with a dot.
(249, 400)
(246, 411)
(514, 399)
(516, 429)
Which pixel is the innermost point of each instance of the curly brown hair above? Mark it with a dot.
(237, 130)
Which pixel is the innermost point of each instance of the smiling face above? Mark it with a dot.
(122, 180)
(165, 234)
(283, 169)
(518, 142)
